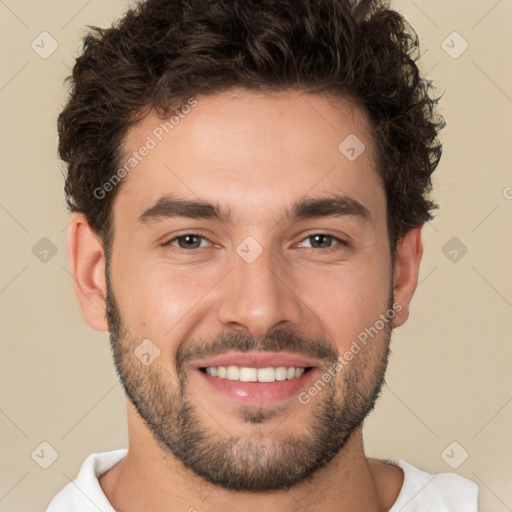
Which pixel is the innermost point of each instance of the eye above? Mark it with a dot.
(325, 241)
(192, 242)
(188, 241)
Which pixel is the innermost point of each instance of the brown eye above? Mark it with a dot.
(188, 241)
(324, 241)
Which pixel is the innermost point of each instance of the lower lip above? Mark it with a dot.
(259, 392)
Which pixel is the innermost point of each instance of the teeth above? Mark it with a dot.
(233, 373)
(248, 374)
(245, 374)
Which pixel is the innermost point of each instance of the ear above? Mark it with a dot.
(405, 275)
(87, 262)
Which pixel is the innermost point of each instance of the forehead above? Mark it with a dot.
(251, 151)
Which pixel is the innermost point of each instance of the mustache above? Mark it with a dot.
(277, 341)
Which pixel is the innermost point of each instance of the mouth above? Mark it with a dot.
(257, 378)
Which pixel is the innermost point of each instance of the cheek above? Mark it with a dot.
(156, 297)
(346, 301)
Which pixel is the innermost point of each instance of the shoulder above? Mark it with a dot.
(84, 492)
(439, 492)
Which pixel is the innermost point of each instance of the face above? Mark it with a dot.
(283, 263)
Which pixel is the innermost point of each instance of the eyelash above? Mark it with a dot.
(199, 235)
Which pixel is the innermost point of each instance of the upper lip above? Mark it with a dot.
(257, 360)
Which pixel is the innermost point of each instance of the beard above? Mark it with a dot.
(258, 462)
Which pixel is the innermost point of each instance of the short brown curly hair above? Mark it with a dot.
(162, 52)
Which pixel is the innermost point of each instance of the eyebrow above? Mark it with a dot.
(337, 205)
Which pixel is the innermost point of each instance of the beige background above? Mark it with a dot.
(449, 377)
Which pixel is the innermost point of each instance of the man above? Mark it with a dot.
(249, 181)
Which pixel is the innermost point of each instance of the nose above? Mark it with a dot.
(259, 296)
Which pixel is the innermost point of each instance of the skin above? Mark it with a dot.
(255, 154)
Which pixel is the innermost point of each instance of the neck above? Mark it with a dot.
(148, 478)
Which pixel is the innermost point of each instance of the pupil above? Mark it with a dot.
(317, 237)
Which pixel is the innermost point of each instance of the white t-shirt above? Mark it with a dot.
(421, 492)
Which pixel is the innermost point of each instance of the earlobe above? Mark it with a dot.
(405, 275)
(87, 261)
